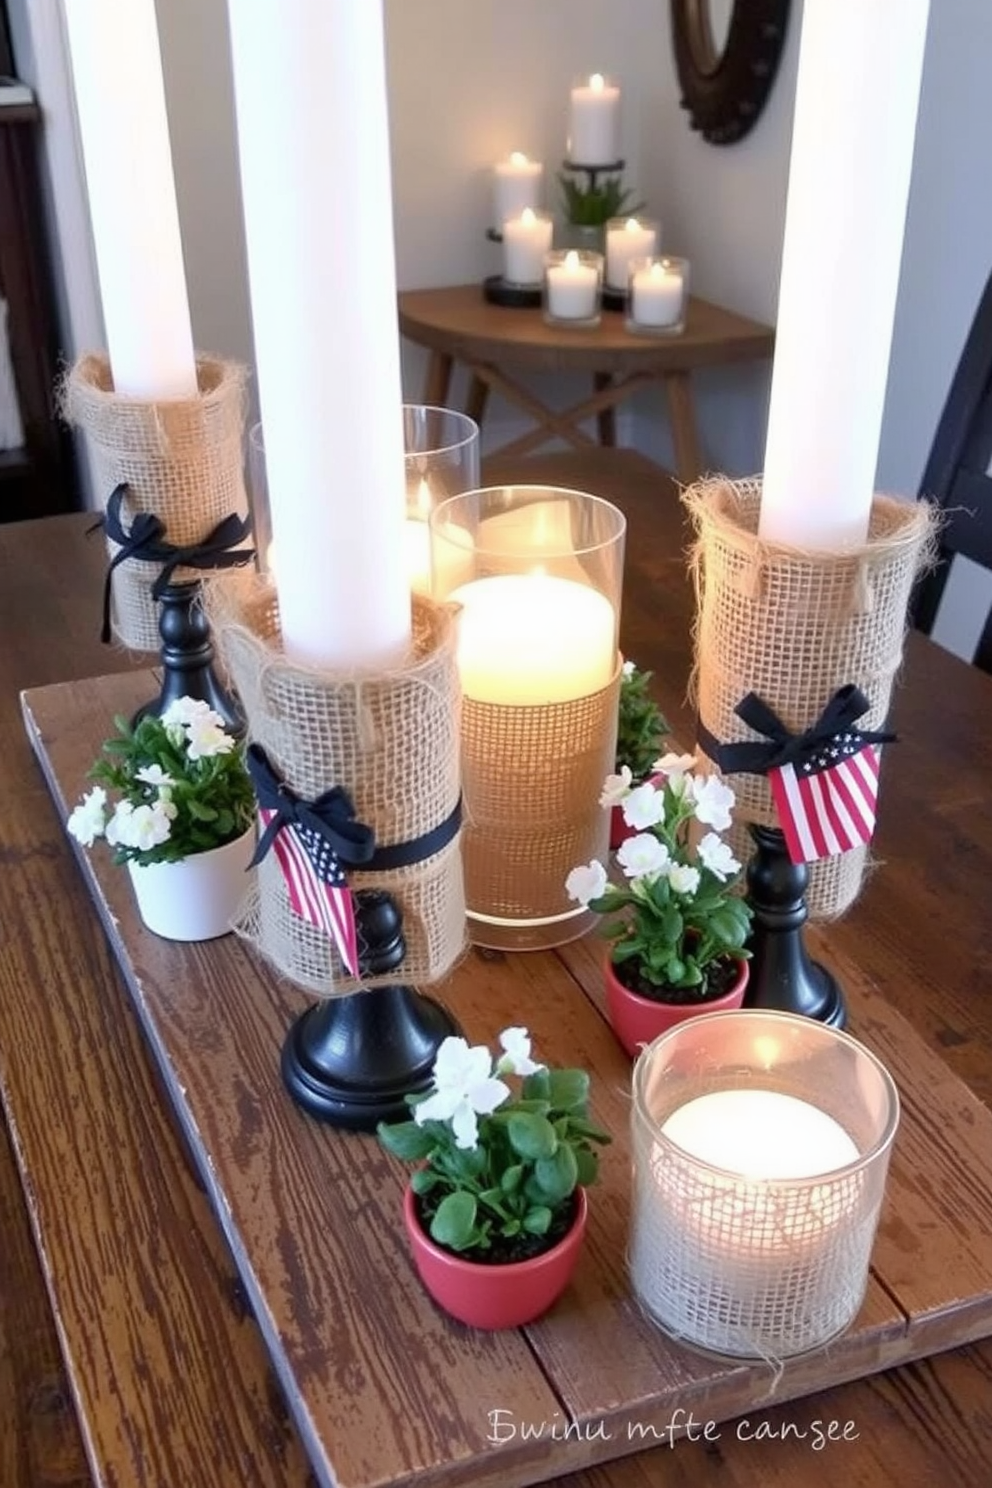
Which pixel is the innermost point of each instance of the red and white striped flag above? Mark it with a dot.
(826, 803)
(317, 885)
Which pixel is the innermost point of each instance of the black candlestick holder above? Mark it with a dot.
(187, 656)
(783, 978)
(351, 1061)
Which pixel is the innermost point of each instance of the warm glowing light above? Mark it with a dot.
(597, 82)
(517, 157)
(572, 259)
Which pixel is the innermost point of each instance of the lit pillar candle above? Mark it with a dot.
(657, 294)
(517, 183)
(594, 122)
(760, 1134)
(324, 316)
(852, 153)
(572, 288)
(526, 240)
(627, 240)
(533, 639)
(120, 106)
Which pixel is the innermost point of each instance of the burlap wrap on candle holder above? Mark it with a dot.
(793, 627)
(181, 458)
(390, 740)
(532, 778)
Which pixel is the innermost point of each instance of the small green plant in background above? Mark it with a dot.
(641, 725)
(594, 204)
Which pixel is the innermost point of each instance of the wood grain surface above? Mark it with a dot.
(927, 1423)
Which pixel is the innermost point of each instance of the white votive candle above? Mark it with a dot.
(594, 122)
(572, 282)
(533, 639)
(658, 293)
(517, 183)
(760, 1134)
(627, 239)
(526, 241)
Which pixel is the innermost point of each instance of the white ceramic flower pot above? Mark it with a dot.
(197, 898)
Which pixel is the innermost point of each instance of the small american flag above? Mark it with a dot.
(317, 886)
(826, 803)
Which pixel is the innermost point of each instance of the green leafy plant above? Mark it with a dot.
(497, 1171)
(641, 725)
(675, 919)
(182, 788)
(593, 205)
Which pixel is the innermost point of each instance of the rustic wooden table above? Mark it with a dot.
(172, 1380)
(458, 325)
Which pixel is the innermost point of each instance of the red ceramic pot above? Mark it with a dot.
(639, 1020)
(494, 1296)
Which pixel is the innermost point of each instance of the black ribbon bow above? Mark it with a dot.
(146, 540)
(332, 817)
(783, 747)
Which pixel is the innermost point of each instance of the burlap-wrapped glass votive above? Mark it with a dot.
(795, 627)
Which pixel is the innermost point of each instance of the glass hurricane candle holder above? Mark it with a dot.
(657, 295)
(441, 453)
(536, 574)
(628, 238)
(573, 287)
(761, 1145)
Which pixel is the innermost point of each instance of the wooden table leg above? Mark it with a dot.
(476, 399)
(437, 379)
(685, 436)
(606, 420)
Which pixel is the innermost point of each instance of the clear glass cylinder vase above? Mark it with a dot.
(536, 574)
(761, 1145)
(441, 454)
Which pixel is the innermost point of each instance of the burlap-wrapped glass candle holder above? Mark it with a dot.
(534, 576)
(794, 628)
(761, 1145)
(180, 459)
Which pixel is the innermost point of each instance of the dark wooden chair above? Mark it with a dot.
(956, 475)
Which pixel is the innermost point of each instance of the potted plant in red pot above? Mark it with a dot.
(496, 1210)
(641, 731)
(677, 928)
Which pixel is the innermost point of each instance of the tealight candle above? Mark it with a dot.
(572, 284)
(594, 122)
(526, 241)
(517, 183)
(658, 293)
(626, 239)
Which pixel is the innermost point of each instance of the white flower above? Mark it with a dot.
(674, 765)
(586, 883)
(463, 1089)
(187, 710)
(644, 807)
(119, 825)
(143, 827)
(682, 879)
(207, 739)
(616, 787)
(643, 855)
(713, 801)
(153, 775)
(166, 804)
(715, 854)
(88, 820)
(629, 668)
(516, 1059)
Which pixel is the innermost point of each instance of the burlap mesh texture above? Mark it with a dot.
(390, 740)
(532, 778)
(794, 627)
(181, 458)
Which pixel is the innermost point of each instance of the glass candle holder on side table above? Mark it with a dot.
(761, 1145)
(536, 572)
(657, 296)
(441, 454)
(573, 287)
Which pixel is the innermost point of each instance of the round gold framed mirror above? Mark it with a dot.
(727, 54)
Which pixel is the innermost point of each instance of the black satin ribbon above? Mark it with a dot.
(146, 540)
(785, 748)
(332, 816)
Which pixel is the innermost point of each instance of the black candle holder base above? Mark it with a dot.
(783, 978)
(352, 1061)
(499, 291)
(187, 656)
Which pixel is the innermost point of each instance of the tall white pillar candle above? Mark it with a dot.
(852, 155)
(310, 89)
(594, 122)
(517, 183)
(120, 107)
(526, 241)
